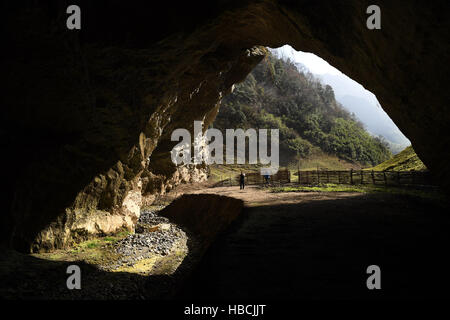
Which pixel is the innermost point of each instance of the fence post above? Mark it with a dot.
(362, 177)
(339, 177)
(318, 176)
(385, 179)
(373, 177)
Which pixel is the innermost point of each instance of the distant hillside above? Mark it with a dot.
(404, 161)
(310, 120)
(351, 94)
(375, 120)
(366, 108)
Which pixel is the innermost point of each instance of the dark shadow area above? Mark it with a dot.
(26, 277)
(321, 250)
(308, 250)
(201, 216)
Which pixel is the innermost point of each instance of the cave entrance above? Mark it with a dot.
(326, 120)
(118, 91)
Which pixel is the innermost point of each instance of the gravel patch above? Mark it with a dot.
(155, 235)
(152, 217)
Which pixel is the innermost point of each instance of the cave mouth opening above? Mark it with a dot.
(352, 95)
(319, 111)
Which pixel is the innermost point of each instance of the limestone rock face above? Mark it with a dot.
(88, 114)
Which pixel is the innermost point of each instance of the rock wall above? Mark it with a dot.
(88, 114)
(205, 215)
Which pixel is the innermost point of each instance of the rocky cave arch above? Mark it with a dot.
(88, 114)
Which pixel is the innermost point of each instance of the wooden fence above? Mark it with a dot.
(254, 178)
(360, 177)
(365, 177)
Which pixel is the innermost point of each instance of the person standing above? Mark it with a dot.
(242, 180)
(266, 178)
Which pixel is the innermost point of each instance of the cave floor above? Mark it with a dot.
(140, 265)
(318, 245)
(291, 245)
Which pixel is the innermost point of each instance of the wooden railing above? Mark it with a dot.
(365, 177)
(387, 178)
(254, 178)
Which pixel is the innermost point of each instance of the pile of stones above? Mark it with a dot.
(154, 235)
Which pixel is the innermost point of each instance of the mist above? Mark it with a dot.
(351, 94)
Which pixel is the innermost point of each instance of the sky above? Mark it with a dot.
(314, 63)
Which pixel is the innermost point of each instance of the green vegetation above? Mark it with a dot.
(331, 187)
(317, 158)
(277, 95)
(326, 187)
(323, 161)
(407, 160)
(92, 246)
(94, 251)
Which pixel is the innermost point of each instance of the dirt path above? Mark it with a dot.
(318, 245)
(254, 196)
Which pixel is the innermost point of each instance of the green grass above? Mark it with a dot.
(110, 239)
(330, 187)
(327, 187)
(98, 243)
(92, 245)
(407, 160)
(323, 161)
(93, 251)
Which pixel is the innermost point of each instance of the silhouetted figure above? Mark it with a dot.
(242, 180)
